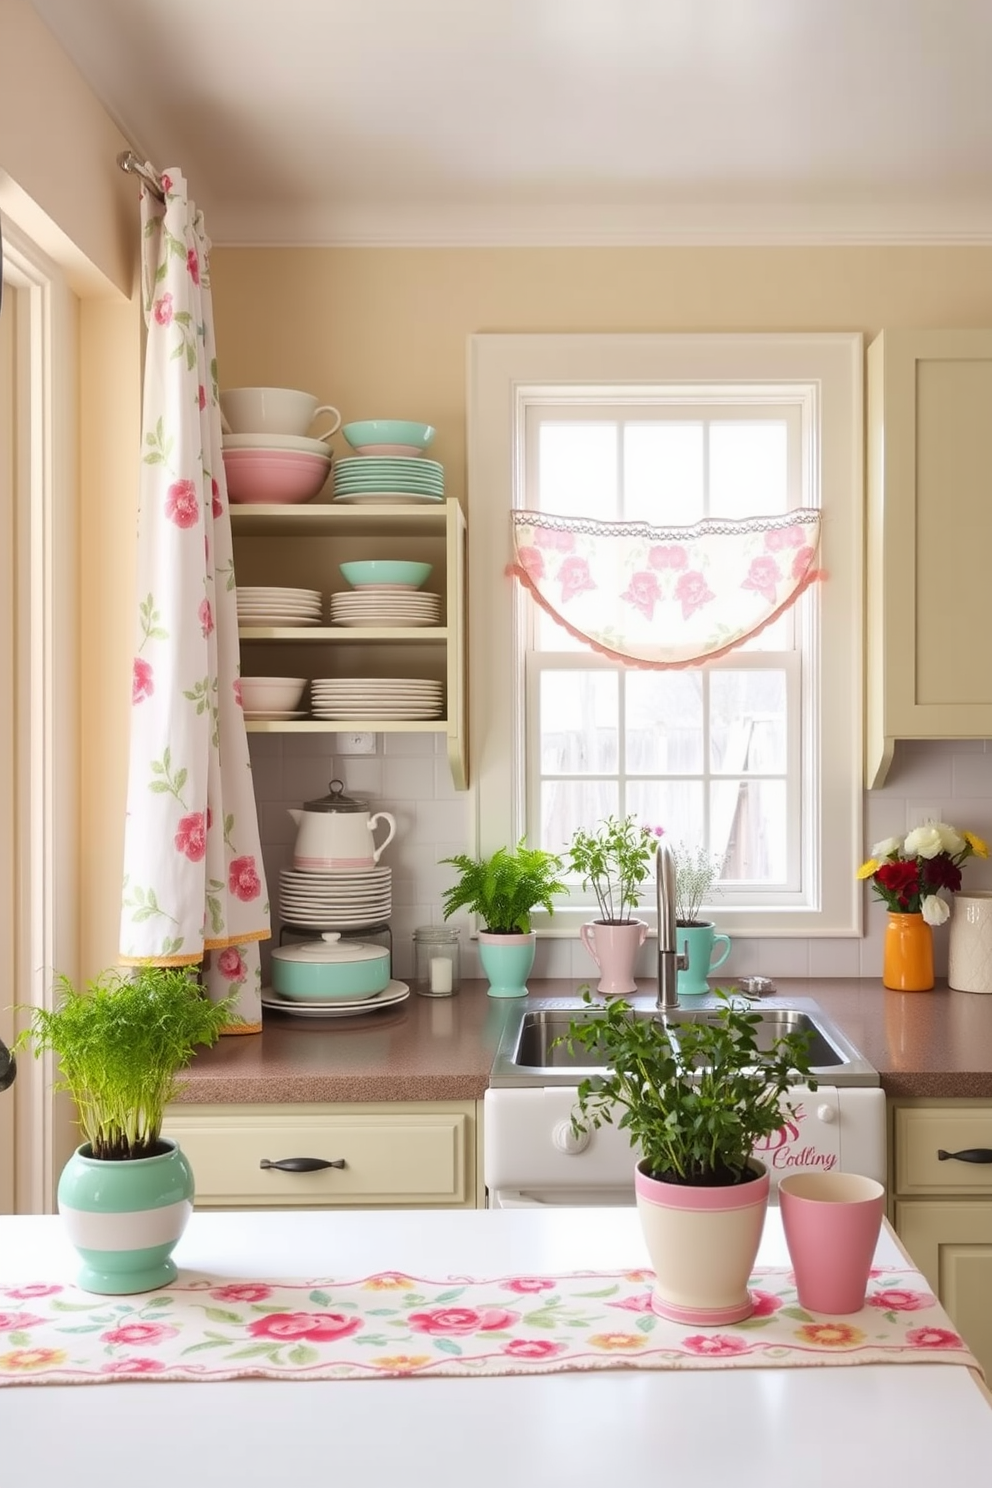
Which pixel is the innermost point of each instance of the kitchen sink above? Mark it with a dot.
(533, 1050)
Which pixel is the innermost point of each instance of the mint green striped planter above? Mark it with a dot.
(507, 961)
(125, 1218)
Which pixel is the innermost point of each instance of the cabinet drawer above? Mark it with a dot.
(921, 1134)
(410, 1157)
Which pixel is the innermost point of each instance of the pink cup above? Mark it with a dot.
(831, 1223)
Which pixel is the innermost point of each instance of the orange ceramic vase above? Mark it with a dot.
(908, 960)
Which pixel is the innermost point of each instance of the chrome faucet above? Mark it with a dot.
(670, 960)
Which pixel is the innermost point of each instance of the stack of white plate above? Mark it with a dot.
(376, 697)
(261, 605)
(336, 901)
(373, 606)
(391, 479)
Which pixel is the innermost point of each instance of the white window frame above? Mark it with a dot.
(505, 373)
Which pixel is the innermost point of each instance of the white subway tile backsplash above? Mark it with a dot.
(410, 778)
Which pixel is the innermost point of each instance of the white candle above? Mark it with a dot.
(440, 974)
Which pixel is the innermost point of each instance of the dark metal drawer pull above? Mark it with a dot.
(313, 1164)
(969, 1154)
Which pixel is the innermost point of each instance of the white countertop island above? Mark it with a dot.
(908, 1425)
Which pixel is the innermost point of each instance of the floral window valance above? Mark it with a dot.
(665, 597)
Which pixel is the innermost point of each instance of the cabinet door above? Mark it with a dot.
(929, 536)
(951, 1243)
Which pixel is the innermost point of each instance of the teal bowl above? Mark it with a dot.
(392, 573)
(388, 436)
(330, 970)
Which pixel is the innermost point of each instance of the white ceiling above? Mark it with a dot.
(555, 121)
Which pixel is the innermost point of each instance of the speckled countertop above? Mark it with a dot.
(935, 1043)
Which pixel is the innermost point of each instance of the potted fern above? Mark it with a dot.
(127, 1192)
(504, 890)
(694, 1096)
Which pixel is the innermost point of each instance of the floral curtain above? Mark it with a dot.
(665, 597)
(194, 887)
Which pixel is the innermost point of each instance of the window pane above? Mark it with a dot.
(748, 470)
(579, 723)
(569, 804)
(676, 805)
(664, 722)
(749, 829)
(577, 469)
(663, 473)
(748, 728)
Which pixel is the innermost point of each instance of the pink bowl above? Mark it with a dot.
(277, 476)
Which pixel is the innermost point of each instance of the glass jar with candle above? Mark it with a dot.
(437, 972)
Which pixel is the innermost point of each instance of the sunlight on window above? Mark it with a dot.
(577, 469)
(748, 472)
(664, 722)
(663, 473)
(579, 722)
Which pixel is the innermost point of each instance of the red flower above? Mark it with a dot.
(461, 1319)
(181, 505)
(763, 577)
(241, 1291)
(139, 1333)
(162, 310)
(201, 397)
(206, 617)
(940, 872)
(191, 836)
(639, 1302)
(574, 578)
(33, 1289)
(692, 591)
(715, 1344)
(319, 1327)
(933, 1338)
(142, 680)
(231, 965)
(900, 1300)
(900, 879)
(801, 562)
(193, 265)
(216, 505)
(765, 1303)
(532, 562)
(551, 537)
(243, 880)
(132, 1366)
(643, 593)
(528, 1284)
(784, 537)
(532, 1348)
(668, 555)
(10, 1322)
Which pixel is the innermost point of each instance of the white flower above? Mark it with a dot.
(886, 848)
(934, 910)
(933, 838)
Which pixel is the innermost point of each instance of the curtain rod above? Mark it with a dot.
(130, 163)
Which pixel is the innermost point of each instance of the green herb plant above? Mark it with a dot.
(505, 888)
(120, 1044)
(615, 859)
(695, 1097)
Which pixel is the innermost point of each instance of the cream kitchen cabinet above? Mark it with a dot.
(302, 546)
(929, 540)
(354, 1155)
(942, 1208)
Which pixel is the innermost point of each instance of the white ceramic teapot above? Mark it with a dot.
(335, 834)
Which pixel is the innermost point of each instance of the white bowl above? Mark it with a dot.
(271, 694)
(260, 410)
(291, 444)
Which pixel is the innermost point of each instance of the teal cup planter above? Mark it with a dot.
(507, 961)
(125, 1218)
(706, 950)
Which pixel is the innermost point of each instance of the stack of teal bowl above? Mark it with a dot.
(389, 464)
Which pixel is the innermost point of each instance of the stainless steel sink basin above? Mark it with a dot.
(530, 1051)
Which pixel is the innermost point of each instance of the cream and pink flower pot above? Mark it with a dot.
(703, 1243)
(614, 949)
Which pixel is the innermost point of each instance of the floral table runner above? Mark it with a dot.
(391, 1324)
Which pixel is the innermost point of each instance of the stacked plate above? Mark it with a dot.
(372, 606)
(376, 697)
(390, 479)
(258, 605)
(336, 901)
(392, 994)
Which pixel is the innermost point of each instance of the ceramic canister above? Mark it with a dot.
(969, 951)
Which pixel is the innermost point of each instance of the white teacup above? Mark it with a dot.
(262, 410)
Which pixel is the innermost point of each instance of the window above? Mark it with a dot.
(752, 754)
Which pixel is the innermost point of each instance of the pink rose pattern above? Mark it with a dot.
(214, 885)
(574, 573)
(392, 1323)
